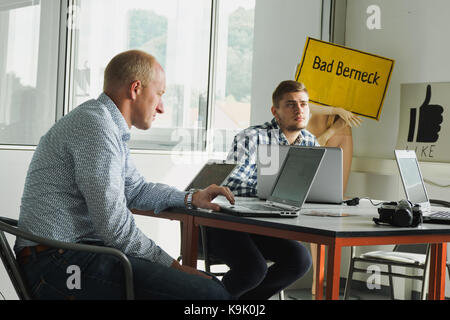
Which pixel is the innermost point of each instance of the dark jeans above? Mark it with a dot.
(49, 277)
(249, 277)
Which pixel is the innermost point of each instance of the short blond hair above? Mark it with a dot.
(129, 66)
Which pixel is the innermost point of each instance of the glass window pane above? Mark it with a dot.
(234, 71)
(177, 33)
(29, 32)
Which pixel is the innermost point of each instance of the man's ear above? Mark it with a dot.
(134, 89)
(274, 111)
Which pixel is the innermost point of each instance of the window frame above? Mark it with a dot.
(59, 102)
(157, 134)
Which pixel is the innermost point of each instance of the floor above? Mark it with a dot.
(305, 294)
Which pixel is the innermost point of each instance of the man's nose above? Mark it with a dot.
(160, 107)
(298, 107)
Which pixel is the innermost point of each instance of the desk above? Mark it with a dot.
(331, 232)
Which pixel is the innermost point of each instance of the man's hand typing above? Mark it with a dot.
(203, 198)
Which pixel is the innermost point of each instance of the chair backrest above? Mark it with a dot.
(9, 259)
(412, 248)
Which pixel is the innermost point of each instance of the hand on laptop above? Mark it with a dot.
(203, 198)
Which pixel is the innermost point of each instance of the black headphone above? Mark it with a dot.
(400, 214)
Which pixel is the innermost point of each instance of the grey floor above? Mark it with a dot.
(305, 294)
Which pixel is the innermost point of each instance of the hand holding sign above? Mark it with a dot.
(351, 119)
(430, 119)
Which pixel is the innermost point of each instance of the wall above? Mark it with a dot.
(413, 33)
(281, 29)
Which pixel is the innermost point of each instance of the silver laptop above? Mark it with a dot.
(213, 172)
(290, 189)
(326, 187)
(415, 187)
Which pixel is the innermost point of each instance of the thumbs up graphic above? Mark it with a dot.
(430, 119)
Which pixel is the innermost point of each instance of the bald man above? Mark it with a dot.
(81, 185)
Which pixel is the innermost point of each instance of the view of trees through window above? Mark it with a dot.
(240, 52)
(147, 31)
(178, 34)
(233, 77)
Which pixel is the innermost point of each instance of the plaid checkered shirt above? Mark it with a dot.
(243, 180)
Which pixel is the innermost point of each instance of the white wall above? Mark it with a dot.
(414, 34)
(13, 166)
(281, 29)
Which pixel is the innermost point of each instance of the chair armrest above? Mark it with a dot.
(6, 225)
(12, 222)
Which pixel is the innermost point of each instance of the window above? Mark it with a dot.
(205, 47)
(177, 33)
(29, 33)
(233, 74)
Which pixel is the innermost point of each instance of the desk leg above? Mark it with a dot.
(438, 259)
(190, 242)
(333, 271)
(320, 264)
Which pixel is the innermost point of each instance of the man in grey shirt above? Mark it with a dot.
(81, 185)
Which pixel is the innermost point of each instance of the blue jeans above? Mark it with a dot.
(249, 277)
(49, 276)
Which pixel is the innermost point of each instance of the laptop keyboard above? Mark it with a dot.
(440, 214)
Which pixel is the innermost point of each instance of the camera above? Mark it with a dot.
(400, 214)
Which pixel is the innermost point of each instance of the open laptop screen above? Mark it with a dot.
(411, 177)
(296, 176)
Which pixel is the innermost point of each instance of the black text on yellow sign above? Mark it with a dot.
(343, 77)
(347, 72)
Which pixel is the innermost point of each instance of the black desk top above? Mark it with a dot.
(359, 223)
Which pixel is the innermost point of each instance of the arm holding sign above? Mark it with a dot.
(350, 118)
(332, 131)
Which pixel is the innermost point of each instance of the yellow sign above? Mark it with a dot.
(342, 77)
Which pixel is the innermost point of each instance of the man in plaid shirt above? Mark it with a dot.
(242, 181)
(246, 254)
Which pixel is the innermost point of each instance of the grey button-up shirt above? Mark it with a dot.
(81, 183)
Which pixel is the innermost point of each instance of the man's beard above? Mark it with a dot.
(291, 128)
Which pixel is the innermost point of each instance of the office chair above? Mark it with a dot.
(8, 225)
(210, 260)
(442, 203)
(408, 256)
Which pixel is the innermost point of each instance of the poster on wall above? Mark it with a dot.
(425, 121)
(343, 77)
